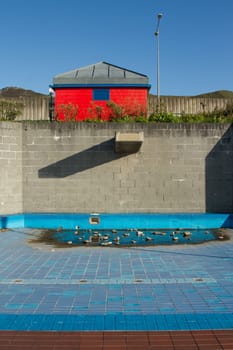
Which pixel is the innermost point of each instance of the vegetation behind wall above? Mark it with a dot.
(28, 105)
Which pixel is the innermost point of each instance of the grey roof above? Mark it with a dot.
(100, 73)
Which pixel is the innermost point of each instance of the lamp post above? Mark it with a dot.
(159, 16)
(51, 104)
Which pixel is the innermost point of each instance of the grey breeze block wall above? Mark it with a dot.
(11, 189)
(72, 167)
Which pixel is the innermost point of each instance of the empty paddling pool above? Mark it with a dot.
(134, 229)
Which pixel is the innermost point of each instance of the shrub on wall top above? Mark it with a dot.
(9, 110)
(67, 112)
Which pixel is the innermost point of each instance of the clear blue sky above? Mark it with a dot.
(40, 39)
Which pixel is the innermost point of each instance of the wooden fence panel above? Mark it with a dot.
(188, 105)
(34, 108)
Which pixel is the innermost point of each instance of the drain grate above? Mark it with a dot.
(199, 279)
(18, 280)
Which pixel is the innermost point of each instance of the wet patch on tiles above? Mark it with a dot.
(61, 238)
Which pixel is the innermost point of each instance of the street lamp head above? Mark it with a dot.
(160, 15)
(51, 91)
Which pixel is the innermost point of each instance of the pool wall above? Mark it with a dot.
(117, 221)
(73, 167)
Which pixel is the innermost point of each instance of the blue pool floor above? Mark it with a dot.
(186, 287)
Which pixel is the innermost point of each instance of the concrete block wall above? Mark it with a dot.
(11, 200)
(72, 167)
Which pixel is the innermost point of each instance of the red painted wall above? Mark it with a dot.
(134, 99)
(78, 102)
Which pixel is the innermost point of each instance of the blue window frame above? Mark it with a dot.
(101, 94)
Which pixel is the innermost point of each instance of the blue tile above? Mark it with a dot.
(110, 298)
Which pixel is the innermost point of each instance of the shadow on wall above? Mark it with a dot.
(219, 175)
(87, 159)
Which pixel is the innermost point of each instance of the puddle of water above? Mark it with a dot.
(130, 237)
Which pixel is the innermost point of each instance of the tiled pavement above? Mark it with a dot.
(92, 292)
(181, 340)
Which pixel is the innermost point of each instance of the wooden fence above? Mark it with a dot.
(187, 105)
(37, 108)
(34, 108)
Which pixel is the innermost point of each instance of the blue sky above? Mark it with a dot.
(40, 39)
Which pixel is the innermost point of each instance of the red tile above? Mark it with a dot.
(161, 347)
(195, 340)
(114, 347)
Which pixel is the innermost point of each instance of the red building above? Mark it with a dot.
(101, 90)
